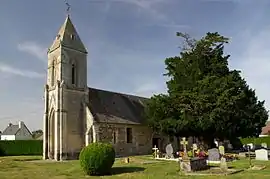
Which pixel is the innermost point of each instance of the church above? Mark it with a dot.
(76, 115)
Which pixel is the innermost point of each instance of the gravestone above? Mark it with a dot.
(251, 146)
(193, 164)
(194, 148)
(261, 154)
(223, 164)
(213, 154)
(155, 153)
(264, 145)
(184, 143)
(221, 150)
(230, 146)
(216, 143)
(169, 151)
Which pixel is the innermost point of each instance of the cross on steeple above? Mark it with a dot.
(68, 7)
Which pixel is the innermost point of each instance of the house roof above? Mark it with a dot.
(266, 129)
(112, 107)
(11, 130)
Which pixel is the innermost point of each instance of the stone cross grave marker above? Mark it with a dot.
(261, 154)
(221, 150)
(213, 154)
(169, 151)
(184, 143)
(155, 149)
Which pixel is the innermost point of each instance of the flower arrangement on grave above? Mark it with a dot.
(180, 154)
(201, 154)
(190, 153)
(231, 157)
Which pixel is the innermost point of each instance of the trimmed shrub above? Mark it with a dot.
(97, 158)
(21, 147)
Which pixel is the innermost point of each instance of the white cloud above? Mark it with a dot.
(147, 5)
(33, 49)
(149, 86)
(19, 72)
(254, 63)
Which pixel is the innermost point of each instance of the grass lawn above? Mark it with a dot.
(140, 167)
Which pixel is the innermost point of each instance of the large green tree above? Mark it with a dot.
(205, 98)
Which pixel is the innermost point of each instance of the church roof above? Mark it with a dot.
(68, 37)
(112, 107)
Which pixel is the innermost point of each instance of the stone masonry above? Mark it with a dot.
(76, 115)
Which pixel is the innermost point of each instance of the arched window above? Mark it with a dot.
(73, 74)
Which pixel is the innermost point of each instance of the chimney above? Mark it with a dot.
(21, 124)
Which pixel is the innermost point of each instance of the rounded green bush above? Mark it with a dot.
(97, 158)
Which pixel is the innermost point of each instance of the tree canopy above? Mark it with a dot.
(37, 133)
(205, 98)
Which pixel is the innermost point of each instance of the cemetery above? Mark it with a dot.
(95, 133)
(137, 167)
(215, 161)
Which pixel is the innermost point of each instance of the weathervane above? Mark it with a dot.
(68, 7)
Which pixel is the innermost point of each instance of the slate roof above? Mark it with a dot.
(64, 37)
(11, 130)
(112, 107)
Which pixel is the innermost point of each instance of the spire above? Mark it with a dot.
(68, 37)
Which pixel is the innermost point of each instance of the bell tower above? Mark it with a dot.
(66, 93)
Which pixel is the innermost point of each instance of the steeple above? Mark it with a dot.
(68, 37)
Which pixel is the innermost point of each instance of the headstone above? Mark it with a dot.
(230, 146)
(194, 147)
(169, 151)
(193, 164)
(251, 146)
(213, 154)
(261, 154)
(216, 142)
(126, 160)
(264, 145)
(221, 150)
(223, 164)
(155, 149)
(184, 143)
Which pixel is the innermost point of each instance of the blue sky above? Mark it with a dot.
(127, 41)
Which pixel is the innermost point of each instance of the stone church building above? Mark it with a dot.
(76, 115)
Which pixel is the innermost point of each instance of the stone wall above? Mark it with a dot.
(116, 134)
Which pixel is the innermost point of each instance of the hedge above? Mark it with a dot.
(21, 147)
(256, 141)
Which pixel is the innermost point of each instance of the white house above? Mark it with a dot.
(16, 132)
